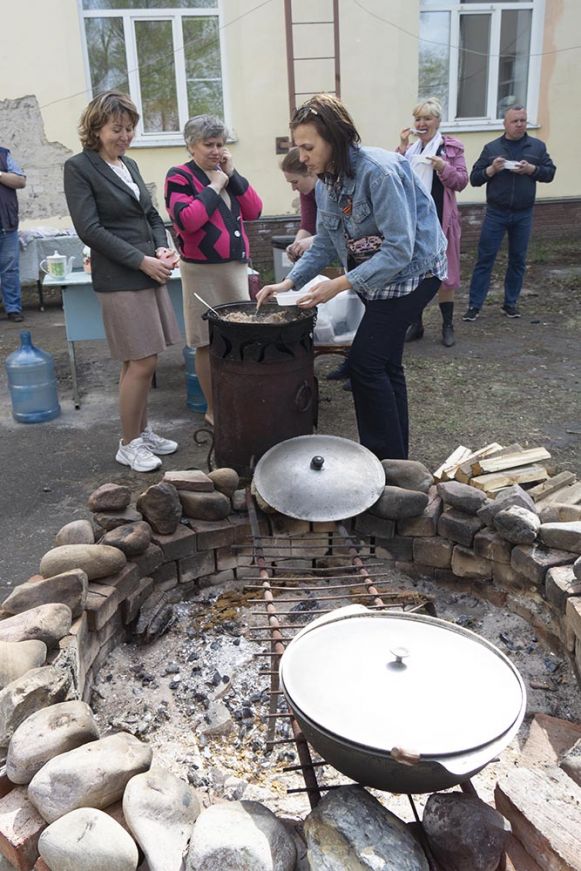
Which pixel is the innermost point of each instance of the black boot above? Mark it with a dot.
(447, 309)
(341, 372)
(414, 331)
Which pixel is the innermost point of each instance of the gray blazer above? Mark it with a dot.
(118, 228)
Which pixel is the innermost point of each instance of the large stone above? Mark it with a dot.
(458, 526)
(351, 829)
(409, 474)
(131, 538)
(576, 570)
(514, 495)
(48, 733)
(19, 657)
(462, 496)
(189, 479)
(565, 536)
(205, 506)
(225, 480)
(464, 832)
(160, 811)
(465, 564)
(160, 505)
(517, 525)
(105, 521)
(48, 623)
(560, 583)
(426, 523)
(110, 497)
(490, 545)
(544, 810)
(96, 560)
(94, 775)
(76, 532)
(87, 839)
(37, 689)
(559, 512)
(395, 503)
(533, 561)
(243, 835)
(68, 588)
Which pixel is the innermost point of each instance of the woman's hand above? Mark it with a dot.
(266, 292)
(297, 248)
(227, 163)
(218, 179)
(324, 291)
(159, 270)
(169, 256)
(404, 138)
(437, 162)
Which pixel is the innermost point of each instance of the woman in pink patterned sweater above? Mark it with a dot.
(208, 202)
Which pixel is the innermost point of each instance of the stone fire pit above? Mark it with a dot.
(176, 727)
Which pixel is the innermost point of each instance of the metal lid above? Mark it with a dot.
(319, 477)
(388, 680)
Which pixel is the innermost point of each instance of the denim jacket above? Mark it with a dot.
(383, 198)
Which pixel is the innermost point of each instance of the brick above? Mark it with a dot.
(20, 828)
(560, 583)
(80, 655)
(102, 602)
(216, 578)
(112, 627)
(505, 576)
(180, 544)
(323, 526)
(544, 810)
(446, 576)
(434, 551)
(166, 576)
(6, 784)
(130, 607)
(242, 529)
(488, 544)
(280, 523)
(415, 570)
(193, 567)
(108, 647)
(370, 524)
(573, 621)
(226, 558)
(534, 560)
(213, 534)
(149, 561)
(396, 548)
(424, 525)
(458, 527)
(125, 581)
(517, 858)
(465, 564)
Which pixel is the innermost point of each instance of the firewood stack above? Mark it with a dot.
(493, 468)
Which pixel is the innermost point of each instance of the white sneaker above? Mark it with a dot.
(157, 444)
(138, 456)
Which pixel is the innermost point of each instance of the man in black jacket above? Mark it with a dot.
(510, 167)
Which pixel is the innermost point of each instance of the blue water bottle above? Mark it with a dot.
(195, 398)
(32, 383)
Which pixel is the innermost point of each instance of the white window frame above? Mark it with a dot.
(175, 15)
(494, 9)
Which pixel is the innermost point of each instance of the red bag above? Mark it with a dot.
(254, 284)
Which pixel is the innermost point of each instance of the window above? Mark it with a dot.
(480, 58)
(164, 53)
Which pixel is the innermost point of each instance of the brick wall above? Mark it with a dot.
(553, 219)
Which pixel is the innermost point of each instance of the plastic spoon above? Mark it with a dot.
(207, 304)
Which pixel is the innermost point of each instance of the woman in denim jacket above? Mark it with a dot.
(374, 215)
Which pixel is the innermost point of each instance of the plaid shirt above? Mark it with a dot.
(395, 291)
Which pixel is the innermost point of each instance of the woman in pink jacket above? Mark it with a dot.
(439, 162)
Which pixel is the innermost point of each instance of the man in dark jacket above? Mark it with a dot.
(510, 167)
(11, 178)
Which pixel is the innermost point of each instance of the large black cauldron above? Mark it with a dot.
(263, 381)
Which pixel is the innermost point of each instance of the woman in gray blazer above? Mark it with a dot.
(112, 212)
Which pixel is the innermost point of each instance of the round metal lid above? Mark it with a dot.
(319, 477)
(385, 680)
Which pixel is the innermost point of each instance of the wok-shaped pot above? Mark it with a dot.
(401, 702)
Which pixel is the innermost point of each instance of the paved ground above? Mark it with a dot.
(504, 381)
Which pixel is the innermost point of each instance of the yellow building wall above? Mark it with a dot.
(41, 55)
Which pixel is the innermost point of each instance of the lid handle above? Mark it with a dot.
(400, 654)
(317, 463)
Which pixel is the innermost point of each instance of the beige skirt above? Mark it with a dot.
(139, 323)
(217, 283)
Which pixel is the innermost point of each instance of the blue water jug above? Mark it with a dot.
(195, 397)
(32, 383)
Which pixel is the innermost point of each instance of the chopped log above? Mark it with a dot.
(557, 482)
(511, 461)
(457, 456)
(544, 810)
(464, 472)
(490, 450)
(566, 495)
(497, 480)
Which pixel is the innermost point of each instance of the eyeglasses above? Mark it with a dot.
(303, 112)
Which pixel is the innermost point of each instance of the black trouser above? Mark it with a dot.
(377, 373)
